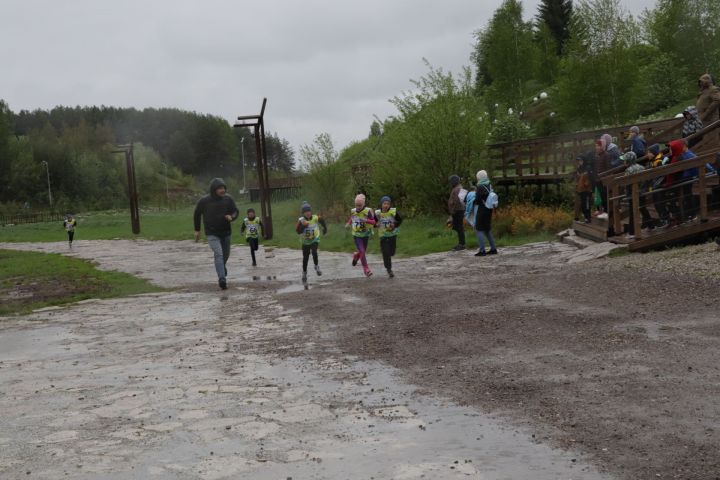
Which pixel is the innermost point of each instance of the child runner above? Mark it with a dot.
(69, 225)
(308, 227)
(388, 221)
(483, 221)
(252, 226)
(361, 219)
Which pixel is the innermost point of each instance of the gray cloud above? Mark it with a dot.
(325, 66)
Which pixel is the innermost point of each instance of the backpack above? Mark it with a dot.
(462, 195)
(492, 199)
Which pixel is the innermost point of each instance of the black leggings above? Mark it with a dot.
(387, 246)
(459, 226)
(307, 249)
(71, 234)
(253, 242)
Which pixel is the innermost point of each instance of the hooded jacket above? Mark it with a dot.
(676, 149)
(708, 98)
(693, 124)
(213, 208)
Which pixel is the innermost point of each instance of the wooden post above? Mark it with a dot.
(703, 193)
(615, 209)
(636, 210)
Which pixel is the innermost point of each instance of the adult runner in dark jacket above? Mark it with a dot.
(217, 210)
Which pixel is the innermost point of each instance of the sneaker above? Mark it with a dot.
(223, 284)
(458, 248)
(390, 273)
(254, 264)
(480, 254)
(356, 257)
(493, 251)
(317, 270)
(368, 273)
(304, 277)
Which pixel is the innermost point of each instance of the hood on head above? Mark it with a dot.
(677, 147)
(607, 138)
(629, 158)
(454, 180)
(692, 111)
(654, 149)
(705, 81)
(215, 184)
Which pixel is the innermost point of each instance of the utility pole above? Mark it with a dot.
(242, 150)
(47, 170)
(257, 122)
(132, 186)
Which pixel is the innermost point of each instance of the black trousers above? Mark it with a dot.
(71, 234)
(585, 200)
(458, 226)
(387, 247)
(253, 242)
(307, 250)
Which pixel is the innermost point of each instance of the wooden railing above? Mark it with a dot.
(552, 159)
(630, 187)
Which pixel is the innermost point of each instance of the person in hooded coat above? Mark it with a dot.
(217, 210)
(708, 102)
(692, 124)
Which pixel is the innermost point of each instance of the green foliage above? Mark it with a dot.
(508, 127)
(327, 184)
(687, 32)
(31, 280)
(505, 56)
(441, 129)
(599, 74)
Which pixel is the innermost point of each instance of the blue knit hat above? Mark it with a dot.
(305, 207)
(385, 198)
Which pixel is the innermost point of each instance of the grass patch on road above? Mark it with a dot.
(31, 280)
(418, 236)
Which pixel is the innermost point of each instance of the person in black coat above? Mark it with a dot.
(483, 221)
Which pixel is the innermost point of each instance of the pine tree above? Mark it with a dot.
(556, 15)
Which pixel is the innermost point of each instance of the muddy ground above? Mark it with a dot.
(519, 366)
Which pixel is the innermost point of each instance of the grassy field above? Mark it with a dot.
(31, 280)
(417, 236)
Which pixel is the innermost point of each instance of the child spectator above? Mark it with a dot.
(252, 226)
(388, 221)
(361, 218)
(456, 208)
(583, 186)
(692, 124)
(633, 167)
(308, 227)
(486, 201)
(637, 143)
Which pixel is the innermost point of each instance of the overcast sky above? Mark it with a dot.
(324, 65)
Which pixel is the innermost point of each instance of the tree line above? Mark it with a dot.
(75, 146)
(574, 65)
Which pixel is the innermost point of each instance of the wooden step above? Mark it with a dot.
(592, 231)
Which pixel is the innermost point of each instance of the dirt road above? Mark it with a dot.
(521, 366)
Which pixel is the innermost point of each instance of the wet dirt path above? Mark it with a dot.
(200, 383)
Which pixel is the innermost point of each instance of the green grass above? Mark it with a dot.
(418, 236)
(31, 280)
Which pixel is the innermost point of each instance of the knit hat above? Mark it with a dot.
(305, 207)
(654, 149)
(360, 198)
(482, 177)
(629, 157)
(454, 180)
(384, 199)
(635, 129)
